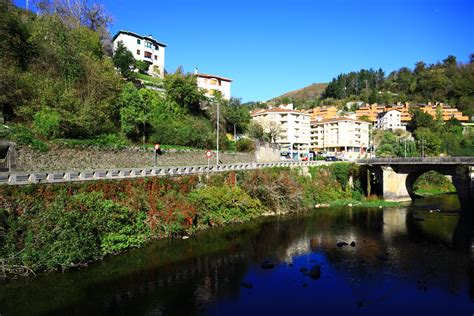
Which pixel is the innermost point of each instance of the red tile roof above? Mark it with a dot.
(337, 119)
(278, 110)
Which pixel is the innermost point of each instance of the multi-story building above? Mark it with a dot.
(445, 111)
(144, 48)
(322, 113)
(213, 83)
(389, 120)
(372, 111)
(290, 128)
(340, 136)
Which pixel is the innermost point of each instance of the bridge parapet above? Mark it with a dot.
(418, 160)
(23, 178)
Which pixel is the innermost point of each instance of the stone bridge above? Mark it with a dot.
(393, 178)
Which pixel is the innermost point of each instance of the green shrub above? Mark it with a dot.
(46, 123)
(183, 131)
(323, 186)
(71, 230)
(224, 204)
(142, 66)
(341, 171)
(103, 141)
(245, 145)
(112, 141)
(278, 189)
(23, 135)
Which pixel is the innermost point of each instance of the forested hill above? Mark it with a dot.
(448, 81)
(313, 91)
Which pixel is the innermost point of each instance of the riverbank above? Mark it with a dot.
(62, 226)
(433, 183)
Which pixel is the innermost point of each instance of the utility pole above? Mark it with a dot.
(405, 140)
(421, 142)
(218, 118)
(235, 134)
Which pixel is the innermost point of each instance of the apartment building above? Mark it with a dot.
(144, 48)
(213, 83)
(290, 127)
(389, 120)
(322, 113)
(342, 136)
(372, 111)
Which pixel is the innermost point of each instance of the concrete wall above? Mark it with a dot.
(267, 153)
(394, 185)
(58, 158)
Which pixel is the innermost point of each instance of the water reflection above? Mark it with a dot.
(402, 261)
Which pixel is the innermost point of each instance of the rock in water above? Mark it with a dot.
(353, 244)
(267, 265)
(315, 272)
(304, 270)
(246, 285)
(382, 257)
(341, 244)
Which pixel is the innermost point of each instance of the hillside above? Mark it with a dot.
(310, 92)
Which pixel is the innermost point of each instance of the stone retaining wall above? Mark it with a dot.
(57, 158)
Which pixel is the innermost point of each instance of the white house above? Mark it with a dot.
(341, 136)
(290, 127)
(389, 120)
(213, 83)
(144, 48)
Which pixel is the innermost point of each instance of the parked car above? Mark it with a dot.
(332, 158)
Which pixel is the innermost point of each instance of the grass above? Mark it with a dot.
(365, 203)
(149, 78)
(433, 191)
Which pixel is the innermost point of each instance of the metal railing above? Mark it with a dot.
(418, 160)
(22, 178)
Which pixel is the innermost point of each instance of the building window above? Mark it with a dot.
(139, 41)
(156, 57)
(147, 55)
(138, 52)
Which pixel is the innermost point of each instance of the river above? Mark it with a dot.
(403, 261)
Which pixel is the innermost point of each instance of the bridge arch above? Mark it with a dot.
(414, 176)
(396, 176)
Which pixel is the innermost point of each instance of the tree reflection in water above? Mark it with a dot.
(399, 263)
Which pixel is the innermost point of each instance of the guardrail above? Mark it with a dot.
(419, 160)
(22, 178)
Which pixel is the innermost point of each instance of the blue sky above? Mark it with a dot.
(269, 47)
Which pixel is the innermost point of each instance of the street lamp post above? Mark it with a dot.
(405, 141)
(422, 142)
(218, 119)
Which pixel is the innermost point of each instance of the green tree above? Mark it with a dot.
(429, 142)
(255, 131)
(236, 116)
(124, 61)
(183, 90)
(420, 119)
(136, 107)
(142, 66)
